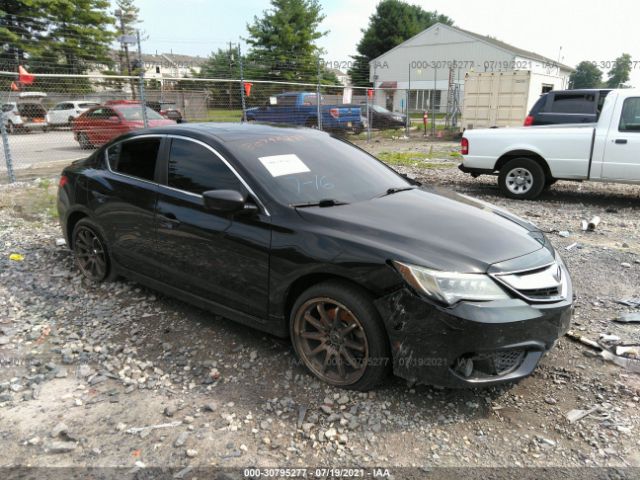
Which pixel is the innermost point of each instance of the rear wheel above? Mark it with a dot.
(521, 178)
(337, 333)
(11, 128)
(83, 140)
(91, 252)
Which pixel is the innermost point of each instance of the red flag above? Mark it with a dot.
(15, 87)
(247, 88)
(25, 77)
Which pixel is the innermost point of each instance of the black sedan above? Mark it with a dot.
(300, 234)
(381, 118)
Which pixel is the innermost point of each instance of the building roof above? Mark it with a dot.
(492, 41)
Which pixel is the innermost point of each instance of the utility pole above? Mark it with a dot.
(119, 14)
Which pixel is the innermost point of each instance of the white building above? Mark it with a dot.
(435, 61)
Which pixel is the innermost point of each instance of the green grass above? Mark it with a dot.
(223, 115)
(413, 159)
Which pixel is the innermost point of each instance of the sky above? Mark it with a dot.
(565, 30)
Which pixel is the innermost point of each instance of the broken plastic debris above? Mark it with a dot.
(16, 257)
(564, 233)
(630, 302)
(626, 356)
(585, 225)
(574, 415)
(606, 338)
(573, 245)
(153, 427)
(60, 242)
(628, 318)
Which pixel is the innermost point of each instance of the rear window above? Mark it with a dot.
(135, 158)
(539, 105)
(573, 103)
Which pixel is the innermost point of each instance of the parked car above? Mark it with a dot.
(300, 108)
(567, 106)
(528, 159)
(26, 113)
(101, 124)
(382, 118)
(64, 113)
(167, 110)
(300, 234)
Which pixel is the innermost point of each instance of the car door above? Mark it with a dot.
(223, 258)
(622, 148)
(54, 114)
(124, 201)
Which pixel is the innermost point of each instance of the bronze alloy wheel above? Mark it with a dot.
(91, 256)
(331, 341)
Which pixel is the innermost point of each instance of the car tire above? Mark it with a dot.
(83, 140)
(311, 123)
(337, 333)
(521, 178)
(91, 252)
(11, 128)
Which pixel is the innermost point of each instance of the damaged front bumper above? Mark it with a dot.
(470, 344)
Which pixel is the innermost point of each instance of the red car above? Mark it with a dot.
(100, 124)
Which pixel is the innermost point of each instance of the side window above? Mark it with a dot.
(195, 169)
(136, 158)
(630, 118)
(287, 100)
(575, 103)
(7, 107)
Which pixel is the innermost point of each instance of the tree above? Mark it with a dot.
(221, 64)
(126, 14)
(22, 26)
(586, 75)
(393, 22)
(283, 41)
(619, 73)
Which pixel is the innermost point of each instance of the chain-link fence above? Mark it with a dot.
(60, 117)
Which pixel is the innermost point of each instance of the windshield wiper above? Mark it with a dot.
(392, 190)
(326, 202)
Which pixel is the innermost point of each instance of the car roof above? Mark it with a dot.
(230, 132)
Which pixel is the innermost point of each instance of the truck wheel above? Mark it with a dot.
(521, 178)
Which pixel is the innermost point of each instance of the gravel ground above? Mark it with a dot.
(118, 375)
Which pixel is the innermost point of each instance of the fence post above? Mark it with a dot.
(143, 103)
(408, 126)
(318, 97)
(244, 108)
(369, 119)
(7, 150)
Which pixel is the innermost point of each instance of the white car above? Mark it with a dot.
(528, 159)
(64, 113)
(24, 115)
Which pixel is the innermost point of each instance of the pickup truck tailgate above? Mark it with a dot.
(345, 113)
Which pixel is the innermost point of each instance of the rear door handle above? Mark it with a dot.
(168, 220)
(621, 141)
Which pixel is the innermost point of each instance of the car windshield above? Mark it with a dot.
(308, 168)
(379, 109)
(134, 113)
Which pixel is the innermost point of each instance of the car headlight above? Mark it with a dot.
(398, 118)
(450, 287)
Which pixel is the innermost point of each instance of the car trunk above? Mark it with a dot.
(32, 112)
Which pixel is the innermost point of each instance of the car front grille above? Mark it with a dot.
(543, 284)
(489, 364)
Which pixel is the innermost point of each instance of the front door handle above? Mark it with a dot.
(621, 141)
(168, 220)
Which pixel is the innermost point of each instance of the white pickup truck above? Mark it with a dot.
(529, 159)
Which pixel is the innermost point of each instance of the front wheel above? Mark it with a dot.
(337, 333)
(521, 178)
(83, 140)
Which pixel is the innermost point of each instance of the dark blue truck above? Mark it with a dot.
(301, 108)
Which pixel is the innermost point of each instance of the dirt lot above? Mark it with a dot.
(117, 375)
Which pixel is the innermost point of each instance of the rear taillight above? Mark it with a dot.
(464, 146)
(63, 181)
(528, 121)
(334, 112)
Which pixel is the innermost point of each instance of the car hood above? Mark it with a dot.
(433, 227)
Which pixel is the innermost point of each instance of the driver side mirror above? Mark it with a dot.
(227, 201)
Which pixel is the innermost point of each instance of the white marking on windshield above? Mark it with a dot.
(279, 165)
